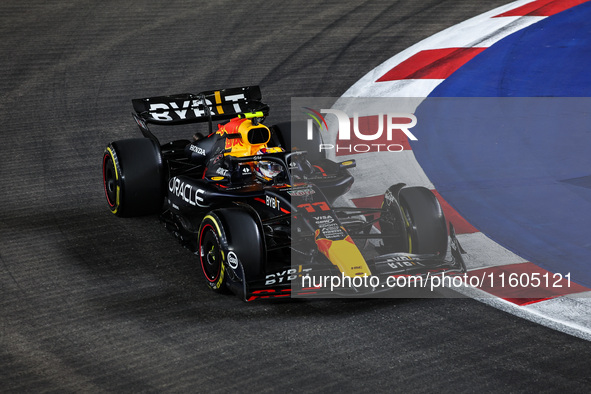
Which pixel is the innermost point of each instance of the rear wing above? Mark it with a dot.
(201, 107)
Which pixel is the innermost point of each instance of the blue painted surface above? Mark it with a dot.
(549, 58)
(516, 166)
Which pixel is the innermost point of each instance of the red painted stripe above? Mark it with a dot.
(523, 289)
(461, 225)
(542, 8)
(431, 64)
(370, 202)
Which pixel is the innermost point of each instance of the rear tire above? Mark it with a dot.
(133, 177)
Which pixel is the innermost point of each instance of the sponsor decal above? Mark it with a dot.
(197, 149)
(285, 276)
(389, 197)
(332, 231)
(307, 191)
(328, 227)
(187, 192)
(222, 171)
(402, 264)
(273, 202)
(232, 260)
(190, 108)
(320, 220)
(232, 142)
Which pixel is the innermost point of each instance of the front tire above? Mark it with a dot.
(424, 220)
(213, 251)
(231, 248)
(413, 222)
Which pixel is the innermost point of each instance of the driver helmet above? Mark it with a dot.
(267, 170)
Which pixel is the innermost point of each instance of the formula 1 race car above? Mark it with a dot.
(255, 203)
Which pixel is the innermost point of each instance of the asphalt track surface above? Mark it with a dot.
(92, 303)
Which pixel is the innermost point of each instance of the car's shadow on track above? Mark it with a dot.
(136, 267)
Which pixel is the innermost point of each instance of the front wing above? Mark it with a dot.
(389, 271)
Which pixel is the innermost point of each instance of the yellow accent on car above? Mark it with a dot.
(219, 231)
(274, 149)
(218, 100)
(348, 259)
(250, 115)
(217, 226)
(116, 178)
(407, 225)
(240, 147)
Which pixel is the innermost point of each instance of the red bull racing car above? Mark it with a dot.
(256, 203)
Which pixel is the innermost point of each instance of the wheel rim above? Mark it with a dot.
(110, 180)
(210, 254)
